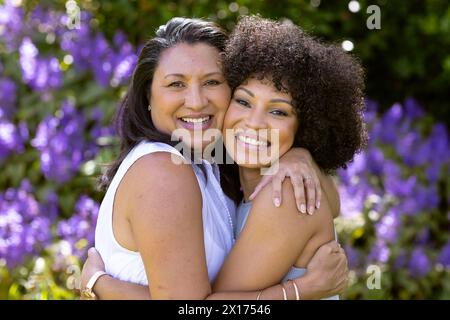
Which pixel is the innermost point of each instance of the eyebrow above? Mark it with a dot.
(281, 100)
(273, 100)
(246, 90)
(180, 75)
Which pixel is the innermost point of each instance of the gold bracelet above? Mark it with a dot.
(284, 292)
(297, 295)
(259, 294)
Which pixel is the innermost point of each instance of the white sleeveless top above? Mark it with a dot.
(218, 213)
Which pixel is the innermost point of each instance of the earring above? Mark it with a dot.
(149, 108)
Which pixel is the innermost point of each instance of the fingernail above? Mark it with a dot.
(311, 210)
(276, 202)
(303, 208)
(318, 205)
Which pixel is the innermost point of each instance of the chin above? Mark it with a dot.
(259, 164)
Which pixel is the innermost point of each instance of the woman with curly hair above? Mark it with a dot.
(309, 94)
(269, 94)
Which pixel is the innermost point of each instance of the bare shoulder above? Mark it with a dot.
(154, 181)
(287, 215)
(157, 170)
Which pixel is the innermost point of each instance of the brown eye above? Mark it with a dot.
(212, 83)
(243, 102)
(176, 84)
(279, 113)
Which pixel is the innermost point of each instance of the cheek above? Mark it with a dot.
(163, 113)
(221, 99)
(232, 116)
(287, 137)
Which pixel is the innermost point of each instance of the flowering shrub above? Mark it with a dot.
(59, 88)
(395, 211)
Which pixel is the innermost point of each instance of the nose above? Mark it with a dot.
(256, 119)
(195, 98)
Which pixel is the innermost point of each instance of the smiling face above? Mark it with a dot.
(189, 92)
(263, 124)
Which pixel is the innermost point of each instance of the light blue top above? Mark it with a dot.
(242, 213)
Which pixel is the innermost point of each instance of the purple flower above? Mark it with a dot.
(7, 98)
(387, 227)
(419, 264)
(12, 138)
(390, 121)
(439, 145)
(77, 42)
(401, 260)
(427, 198)
(46, 21)
(110, 65)
(40, 73)
(62, 144)
(11, 21)
(413, 109)
(375, 160)
(24, 225)
(432, 172)
(407, 147)
(380, 252)
(352, 204)
(444, 256)
(358, 165)
(79, 230)
(394, 184)
(353, 257)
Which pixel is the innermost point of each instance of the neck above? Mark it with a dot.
(249, 178)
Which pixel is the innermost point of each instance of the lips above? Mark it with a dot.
(252, 140)
(196, 122)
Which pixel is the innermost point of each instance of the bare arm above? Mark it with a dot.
(326, 276)
(328, 266)
(168, 234)
(272, 241)
(307, 180)
(110, 288)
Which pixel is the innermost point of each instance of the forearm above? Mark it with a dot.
(108, 288)
(304, 284)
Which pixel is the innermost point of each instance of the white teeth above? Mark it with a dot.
(251, 141)
(195, 120)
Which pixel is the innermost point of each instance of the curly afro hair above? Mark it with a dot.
(326, 84)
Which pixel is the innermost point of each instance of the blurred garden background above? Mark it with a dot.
(64, 66)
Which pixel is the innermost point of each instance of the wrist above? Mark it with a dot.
(305, 286)
(88, 291)
(304, 154)
(100, 285)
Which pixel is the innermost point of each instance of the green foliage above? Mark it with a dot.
(408, 56)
